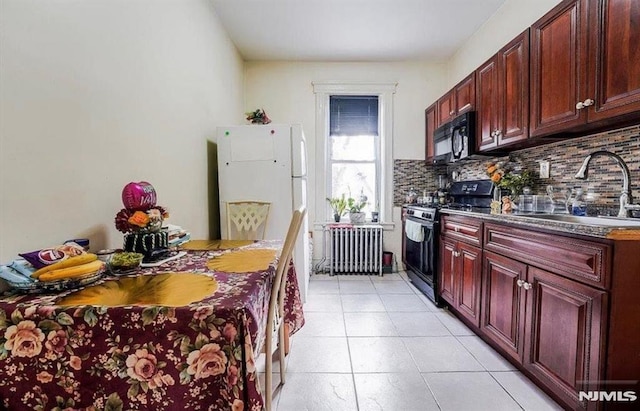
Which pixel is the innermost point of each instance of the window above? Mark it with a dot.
(354, 145)
(354, 149)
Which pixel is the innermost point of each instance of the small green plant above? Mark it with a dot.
(516, 182)
(355, 206)
(338, 205)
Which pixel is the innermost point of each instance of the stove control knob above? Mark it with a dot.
(426, 216)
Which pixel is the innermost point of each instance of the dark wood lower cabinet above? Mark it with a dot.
(460, 271)
(469, 271)
(503, 307)
(565, 333)
(563, 308)
(447, 270)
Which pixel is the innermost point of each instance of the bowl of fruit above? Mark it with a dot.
(125, 262)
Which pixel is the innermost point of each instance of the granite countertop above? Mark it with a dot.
(524, 220)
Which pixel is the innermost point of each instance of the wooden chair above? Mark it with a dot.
(275, 317)
(247, 220)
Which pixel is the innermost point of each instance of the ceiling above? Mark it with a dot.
(352, 30)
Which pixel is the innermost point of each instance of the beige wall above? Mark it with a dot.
(96, 94)
(285, 91)
(510, 20)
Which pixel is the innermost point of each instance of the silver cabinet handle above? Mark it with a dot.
(456, 229)
(526, 286)
(582, 104)
(520, 283)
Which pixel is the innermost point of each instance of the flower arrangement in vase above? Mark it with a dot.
(501, 175)
(141, 213)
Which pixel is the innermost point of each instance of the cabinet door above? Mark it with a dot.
(487, 105)
(513, 85)
(446, 108)
(564, 339)
(465, 95)
(447, 269)
(503, 305)
(558, 69)
(468, 281)
(430, 126)
(615, 58)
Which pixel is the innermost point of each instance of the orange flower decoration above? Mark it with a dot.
(496, 177)
(139, 218)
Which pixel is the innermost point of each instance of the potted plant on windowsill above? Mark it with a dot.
(338, 205)
(355, 210)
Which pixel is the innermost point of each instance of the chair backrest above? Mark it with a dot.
(277, 289)
(247, 220)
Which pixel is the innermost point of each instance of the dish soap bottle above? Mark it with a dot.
(578, 207)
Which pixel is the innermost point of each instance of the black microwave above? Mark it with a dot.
(455, 140)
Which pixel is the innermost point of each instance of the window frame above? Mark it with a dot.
(384, 92)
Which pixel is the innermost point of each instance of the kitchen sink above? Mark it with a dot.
(592, 221)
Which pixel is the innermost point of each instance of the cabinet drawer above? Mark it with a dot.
(583, 260)
(463, 228)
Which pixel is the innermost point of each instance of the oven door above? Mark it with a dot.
(421, 259)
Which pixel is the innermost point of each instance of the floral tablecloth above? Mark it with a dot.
(195, 357)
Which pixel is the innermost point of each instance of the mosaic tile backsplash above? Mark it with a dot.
(565, 157)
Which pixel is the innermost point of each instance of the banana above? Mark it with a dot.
(71, 272)
(69, 262)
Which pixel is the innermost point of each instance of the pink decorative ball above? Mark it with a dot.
(139, 196)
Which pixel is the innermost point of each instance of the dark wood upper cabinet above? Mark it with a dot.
(585, 66)
(503, 96)
(465, 95)
(558, 68)
(614, 58)
(430, 127)
(458, 100)
(577, 69)
(446, 108)
(487, 105)
(513, 90)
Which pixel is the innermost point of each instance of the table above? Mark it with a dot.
(199, 356)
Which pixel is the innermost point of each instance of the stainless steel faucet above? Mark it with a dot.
(625, 197)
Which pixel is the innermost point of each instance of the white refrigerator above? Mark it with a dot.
(267, 163)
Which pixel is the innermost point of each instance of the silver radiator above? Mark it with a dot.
(355, 249)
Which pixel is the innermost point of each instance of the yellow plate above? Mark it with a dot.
(212, 245)
(167, 289)
(243, 261)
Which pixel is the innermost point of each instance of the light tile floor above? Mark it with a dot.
(376, 343)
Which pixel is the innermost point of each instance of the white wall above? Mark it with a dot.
(511, 19)
(96, 94)
(285, 91)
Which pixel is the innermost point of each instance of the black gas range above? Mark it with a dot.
(422, 231)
